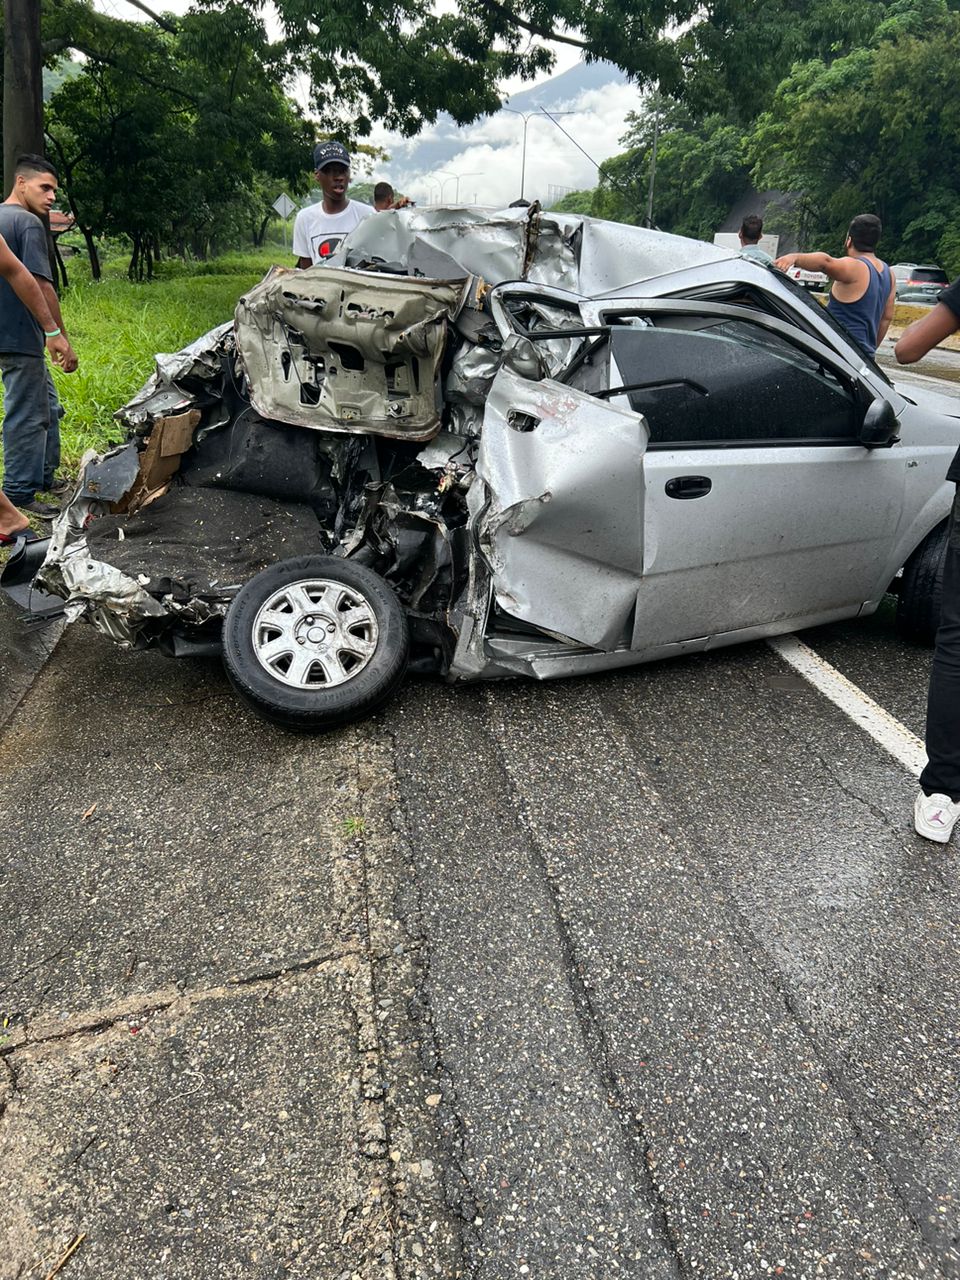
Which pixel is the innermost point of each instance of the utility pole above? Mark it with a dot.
(653, 158)
(22, 84)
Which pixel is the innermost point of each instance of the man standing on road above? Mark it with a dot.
(32, 413)
(751, 229)
(319, 228)
(938, 804)
(383, 197)
(13, 523)
(864, 288)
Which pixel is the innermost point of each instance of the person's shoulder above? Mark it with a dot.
(17, 217)
(362, 210)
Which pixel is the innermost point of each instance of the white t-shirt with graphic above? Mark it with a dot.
(316, 233)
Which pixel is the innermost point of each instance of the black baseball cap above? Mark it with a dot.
(325, 153)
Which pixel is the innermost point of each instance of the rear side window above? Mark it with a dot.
(701, 381)
(928, 275)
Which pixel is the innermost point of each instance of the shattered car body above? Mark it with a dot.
(513, 442)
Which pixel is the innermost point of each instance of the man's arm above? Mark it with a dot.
(69, 362)
(28, 289)
(923, 335)
(301, 241)
(888, 307)
(846, 270)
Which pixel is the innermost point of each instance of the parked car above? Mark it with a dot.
(495, 444)
(919, 282)
(815, 281)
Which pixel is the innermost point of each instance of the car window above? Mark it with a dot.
(929, 275)
(701, 379)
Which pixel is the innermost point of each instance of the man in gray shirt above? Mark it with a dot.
(32, 413)
(751, 229)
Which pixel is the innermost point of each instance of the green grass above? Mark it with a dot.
(116, 327)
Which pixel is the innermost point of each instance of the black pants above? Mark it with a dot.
(942, 774)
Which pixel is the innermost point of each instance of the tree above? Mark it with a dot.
(701, 170)
(22, 83)
(184, 165)
(575, 202)
(736, 52)
(877, 130)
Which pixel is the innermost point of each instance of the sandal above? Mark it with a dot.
(22, 535)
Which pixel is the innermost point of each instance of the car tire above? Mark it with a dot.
(315, 642)
(921, 589)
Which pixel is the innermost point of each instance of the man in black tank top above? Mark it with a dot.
(864, 289)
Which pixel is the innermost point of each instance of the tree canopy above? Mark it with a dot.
(178, 129)
(849, 106)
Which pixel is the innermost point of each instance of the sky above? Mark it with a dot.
(487, 160)
(484, 162)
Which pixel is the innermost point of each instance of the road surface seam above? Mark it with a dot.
(595, 1039)
(123, 1011)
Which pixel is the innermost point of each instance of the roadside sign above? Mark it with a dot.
(284, 205)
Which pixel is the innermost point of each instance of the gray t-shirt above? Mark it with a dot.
(756, 254)
(24, 233)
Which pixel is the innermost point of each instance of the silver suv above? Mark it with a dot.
(919, 282)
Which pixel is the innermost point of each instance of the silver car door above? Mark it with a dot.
(761, 507)
(561, 521)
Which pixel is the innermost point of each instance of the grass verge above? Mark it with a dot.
(116, 327)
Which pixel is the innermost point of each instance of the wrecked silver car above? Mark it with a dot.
(500, 443)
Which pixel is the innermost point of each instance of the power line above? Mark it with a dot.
(614, 182)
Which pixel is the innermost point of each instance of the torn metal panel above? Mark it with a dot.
(610, 255)
(488, 243)
(116, 604)
(165, 392)
(568, 251)
(110, 477)
(471, 375)
(562, 533)
(347, 351)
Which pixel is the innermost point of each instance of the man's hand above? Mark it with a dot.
(61, 353)
(786, 261)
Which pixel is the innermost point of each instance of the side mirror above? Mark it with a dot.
(879, 427)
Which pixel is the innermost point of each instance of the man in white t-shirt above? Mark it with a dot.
(319, 228)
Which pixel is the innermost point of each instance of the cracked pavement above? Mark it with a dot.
(643, 975)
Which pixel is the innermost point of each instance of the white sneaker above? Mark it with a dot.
(934, 817)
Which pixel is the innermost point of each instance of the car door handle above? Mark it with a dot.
(688, 487)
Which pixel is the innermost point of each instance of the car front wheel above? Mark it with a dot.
(315, 642)
(921, 588)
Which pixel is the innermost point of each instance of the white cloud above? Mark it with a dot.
(491, 152)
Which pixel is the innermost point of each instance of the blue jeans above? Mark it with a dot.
(31, 426)
(942, 774)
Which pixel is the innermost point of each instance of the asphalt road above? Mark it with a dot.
(644, 975)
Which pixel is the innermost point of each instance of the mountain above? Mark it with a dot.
(559, 91)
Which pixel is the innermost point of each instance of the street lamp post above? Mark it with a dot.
(526, 117)
(474, 173)
(428, 178)
(447, 175)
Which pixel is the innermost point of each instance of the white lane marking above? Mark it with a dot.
(884, 728)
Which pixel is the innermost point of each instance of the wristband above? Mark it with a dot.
(54, 333)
